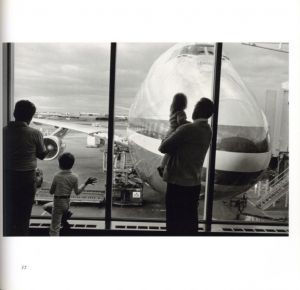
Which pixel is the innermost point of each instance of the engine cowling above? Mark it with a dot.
(55, 147)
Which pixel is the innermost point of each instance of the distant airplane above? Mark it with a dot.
(84, 114)
(121, 118)
(243, 143)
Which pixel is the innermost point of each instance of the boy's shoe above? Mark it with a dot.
(160, 171)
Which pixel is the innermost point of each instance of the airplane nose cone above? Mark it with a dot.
(242, 139)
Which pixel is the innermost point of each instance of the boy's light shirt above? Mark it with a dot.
(64, 182)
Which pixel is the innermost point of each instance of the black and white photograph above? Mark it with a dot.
(146, 145)
(156, 175)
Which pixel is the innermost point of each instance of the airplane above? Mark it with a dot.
(89, 114)
(243, 143)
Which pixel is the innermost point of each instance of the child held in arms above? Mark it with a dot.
(177, 118)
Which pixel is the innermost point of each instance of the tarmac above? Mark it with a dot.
(89, 162)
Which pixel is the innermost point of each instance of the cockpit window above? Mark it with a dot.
(193, 49)
(210, 50)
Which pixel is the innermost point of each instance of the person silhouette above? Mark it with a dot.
(187, 147)
(22, 145)
(64, 182)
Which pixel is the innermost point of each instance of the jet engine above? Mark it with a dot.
(55, 146)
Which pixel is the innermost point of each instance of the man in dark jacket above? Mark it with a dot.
(187, 147)
(22, 145)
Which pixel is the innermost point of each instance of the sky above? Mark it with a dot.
(74, 77)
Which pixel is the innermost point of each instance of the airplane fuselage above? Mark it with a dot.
(243, 149)
(243, 145)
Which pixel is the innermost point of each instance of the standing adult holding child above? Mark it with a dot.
(187, 147)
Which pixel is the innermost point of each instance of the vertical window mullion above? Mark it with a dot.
(110, 142)
(7, 81)
(209, 188)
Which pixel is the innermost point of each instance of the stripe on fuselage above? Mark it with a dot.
(226, 182)
(230, 138)
(225, 161)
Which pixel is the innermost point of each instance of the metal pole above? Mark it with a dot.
(7, 81)
(109, 166)
(209, 190)
(7, 102)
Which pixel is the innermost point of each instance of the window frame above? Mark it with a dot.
(207, 222)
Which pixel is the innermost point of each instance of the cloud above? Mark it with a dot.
(259, 68)
(76, 75)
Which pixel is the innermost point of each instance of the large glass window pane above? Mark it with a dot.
(148, 77)
(251, 182)
(136, 195)
(68, 83)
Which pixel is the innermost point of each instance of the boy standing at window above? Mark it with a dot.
(62, 185)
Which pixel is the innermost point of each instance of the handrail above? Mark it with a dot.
(280, 176)
(279, 184)
(282, 173)
(275, 190)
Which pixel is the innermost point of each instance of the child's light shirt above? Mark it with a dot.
(63, 183)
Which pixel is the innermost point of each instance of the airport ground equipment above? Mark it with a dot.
(277, 188)
(86, 197)
(239, 202)
(127, 186)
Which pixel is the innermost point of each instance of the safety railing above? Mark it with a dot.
(277, 188)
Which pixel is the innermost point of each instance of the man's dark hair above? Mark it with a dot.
(24, 111)
(179, 103)
(203, 109)
(66, 161)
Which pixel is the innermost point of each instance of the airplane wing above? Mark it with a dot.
(97, 131)
(72, 126)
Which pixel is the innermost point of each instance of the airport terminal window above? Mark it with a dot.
(193, 49)
(68, 83)
(143, 126)
(211, 50)
(247, 186)
(146, 100)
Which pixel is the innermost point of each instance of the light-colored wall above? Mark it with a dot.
(277, 112)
